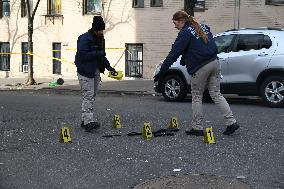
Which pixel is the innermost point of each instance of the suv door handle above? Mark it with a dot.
(263, 54)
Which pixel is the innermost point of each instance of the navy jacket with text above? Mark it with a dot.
(195, 53)
(90, 55)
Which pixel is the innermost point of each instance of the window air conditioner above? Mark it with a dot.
(6, 13)
(25, 68)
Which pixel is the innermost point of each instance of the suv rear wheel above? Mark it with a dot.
(174, 88)
(272, 91)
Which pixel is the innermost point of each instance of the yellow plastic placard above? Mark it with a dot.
(174, 123)
(116, 122)
(147, 131)
(115, 74)
(65, 135)
(209, 136)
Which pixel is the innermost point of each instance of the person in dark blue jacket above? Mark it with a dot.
(90, 61)
(196, 44)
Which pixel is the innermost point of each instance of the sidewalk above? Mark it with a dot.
(134, 86)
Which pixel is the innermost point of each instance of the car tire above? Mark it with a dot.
(174, 88)
(272, 91)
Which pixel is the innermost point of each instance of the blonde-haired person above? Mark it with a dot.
(196, 44)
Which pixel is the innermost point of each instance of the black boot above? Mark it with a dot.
(231, 129)
(90, 126)
(82, 125)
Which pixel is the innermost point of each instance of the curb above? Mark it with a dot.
(74, 91)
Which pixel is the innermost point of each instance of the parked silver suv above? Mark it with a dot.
(252, 64)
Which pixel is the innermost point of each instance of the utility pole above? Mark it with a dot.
(237, 10)
(189, 6)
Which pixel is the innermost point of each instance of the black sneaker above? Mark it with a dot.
(231, 129)
(195, 132)
(92, 125)
(82, 125)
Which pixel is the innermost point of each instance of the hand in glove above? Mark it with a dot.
(111, 69)
(159, 75)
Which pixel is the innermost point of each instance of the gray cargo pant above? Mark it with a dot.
(89, 88)
(208, 77)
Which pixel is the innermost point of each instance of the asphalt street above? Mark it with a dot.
(31, 156)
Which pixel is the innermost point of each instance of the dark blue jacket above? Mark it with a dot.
(90, 55)
(195, 53)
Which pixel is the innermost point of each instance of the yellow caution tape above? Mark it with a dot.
(59, 59)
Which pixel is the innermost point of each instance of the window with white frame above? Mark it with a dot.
(275, 2)
(56, 54)
(92, 6)
(134, 60)
(137, 3)
(200, 4)
(24, 9)
(54, 7)
(25, 57)
(4, 56)
(4, 8)
(156, 3)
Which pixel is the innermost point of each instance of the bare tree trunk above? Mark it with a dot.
(30, 80)
(31, 15)
(189, 6)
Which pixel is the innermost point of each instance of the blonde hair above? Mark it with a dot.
(181, 15)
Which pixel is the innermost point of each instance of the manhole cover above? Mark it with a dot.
(193, 182)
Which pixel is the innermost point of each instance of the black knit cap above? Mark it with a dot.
(98, 23)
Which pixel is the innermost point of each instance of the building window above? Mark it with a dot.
(200, 4)
(24, 10)
(25, 57)
(156, 3)
(137, 3)
(54, 7)
(4, 8)
(275, 2)
(134, 60)
(4, 58)
(92, 6)
(56, 54)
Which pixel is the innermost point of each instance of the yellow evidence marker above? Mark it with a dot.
(208, 136)
(174, 123)
(65, 135)
(116, 122)
(115, 74)
(147, 130)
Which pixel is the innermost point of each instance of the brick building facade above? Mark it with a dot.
(139, 33)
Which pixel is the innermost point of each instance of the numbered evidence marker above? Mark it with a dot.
(174, 123)
(116, 122)
(65, 135)
(208, 136)
(147, 131)
(115, 74)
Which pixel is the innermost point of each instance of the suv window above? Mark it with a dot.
(224, 42)
(267, 43)
(248, 42)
